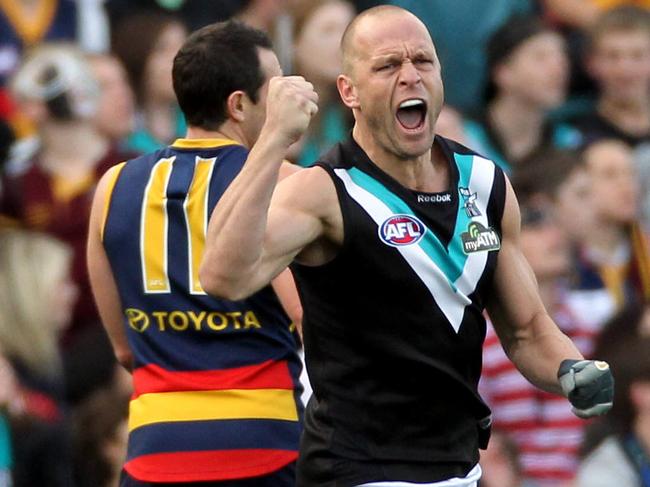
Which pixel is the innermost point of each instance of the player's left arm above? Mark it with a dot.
(532, 340)
(101, 276)
(284, 284)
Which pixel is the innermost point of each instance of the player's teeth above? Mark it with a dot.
(410, 103)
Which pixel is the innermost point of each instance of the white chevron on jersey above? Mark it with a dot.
(451, 299)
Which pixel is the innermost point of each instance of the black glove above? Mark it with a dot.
(589, 385)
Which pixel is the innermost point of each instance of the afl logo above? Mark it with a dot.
(401, 230)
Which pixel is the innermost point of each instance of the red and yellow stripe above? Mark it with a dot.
(263, 391)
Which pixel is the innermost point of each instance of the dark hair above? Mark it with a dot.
(623, 325)
(133, 41)
(214, 62)
(621, 19)
(630, 363)
(95, 422)
(621, 344)
(505, 40)
(544, 171)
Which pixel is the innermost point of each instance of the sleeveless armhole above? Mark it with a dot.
(109, 193)
(498, 197)
(344, 203)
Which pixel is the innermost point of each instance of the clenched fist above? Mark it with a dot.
(589, 385)
(290, 105)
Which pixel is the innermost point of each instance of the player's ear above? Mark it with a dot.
(348, 91)
(235, 106)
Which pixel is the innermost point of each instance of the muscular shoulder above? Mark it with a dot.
(312, 192)
(287, 169)
(511, 220)
(102, 197)
(310, 188)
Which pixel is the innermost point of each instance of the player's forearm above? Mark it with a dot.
(538, 350)
(235, 237)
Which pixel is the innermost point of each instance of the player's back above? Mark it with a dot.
(215, 381)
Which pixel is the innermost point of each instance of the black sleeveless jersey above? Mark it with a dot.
(393, 325)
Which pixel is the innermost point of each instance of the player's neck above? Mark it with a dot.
(428, 172)
(225, 131)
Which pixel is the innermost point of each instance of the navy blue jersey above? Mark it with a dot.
(216, 382)
(393, 325)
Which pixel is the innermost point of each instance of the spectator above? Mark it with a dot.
(52, 193)
(528, 71)
(583, 13)
(631, 322)
(36, 301)
(542, 425)
(319, 26)
(100, 438)
(615, 256)
(562, 177)
(25, 24)
(115, 110)
(619, 61)
(148, 63)
(621, 459)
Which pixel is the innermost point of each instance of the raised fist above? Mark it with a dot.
(291, 103)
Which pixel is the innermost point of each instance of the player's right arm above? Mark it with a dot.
(531, 339)
(101, 275)
(284, 284)
(255, 231)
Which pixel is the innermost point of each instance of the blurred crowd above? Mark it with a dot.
(556, 92)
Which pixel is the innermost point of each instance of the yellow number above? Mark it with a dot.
(154, 225)
(153, 233)
(196, 218)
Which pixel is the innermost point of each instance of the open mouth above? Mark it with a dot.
(412, 113)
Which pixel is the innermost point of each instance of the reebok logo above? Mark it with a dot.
(434, 198)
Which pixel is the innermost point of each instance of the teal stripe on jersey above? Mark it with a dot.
(433, 263)
(465, 164)
(481, 179)
(451, 261)
(450, 301)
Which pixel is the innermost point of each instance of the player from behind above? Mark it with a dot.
(216, 394)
